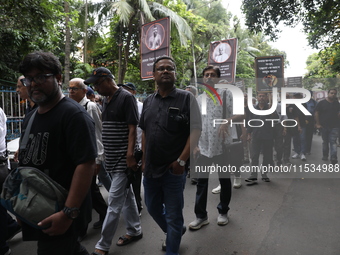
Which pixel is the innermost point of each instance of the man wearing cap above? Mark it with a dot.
(129, 86)
(120, 119)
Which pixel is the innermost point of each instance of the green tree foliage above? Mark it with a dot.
(319, 17)
(26, 25)
(113, 34)
(323, 69)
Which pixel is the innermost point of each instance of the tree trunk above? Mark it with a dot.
(85, 38)
(67, 44)
(120, 57)
(123, 60)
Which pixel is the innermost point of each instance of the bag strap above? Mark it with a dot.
(24, 140)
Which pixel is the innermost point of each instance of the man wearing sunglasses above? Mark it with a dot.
(56, 146)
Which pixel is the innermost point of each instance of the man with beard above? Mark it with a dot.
(57, 147)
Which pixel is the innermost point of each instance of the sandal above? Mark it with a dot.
(97, 253)
(126, 239)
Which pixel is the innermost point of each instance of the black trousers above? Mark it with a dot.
(202, 188)
(98, 202)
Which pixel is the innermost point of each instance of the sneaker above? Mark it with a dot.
(251, 180)
(217, 190)
(334, 161)
(265, 178)
(198, 223)
(164, 242)
(222, 219)
(295, 155)
(237, 182)
(303, 157)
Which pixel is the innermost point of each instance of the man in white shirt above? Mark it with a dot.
(77, 91)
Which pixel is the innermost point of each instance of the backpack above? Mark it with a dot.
(31, 195)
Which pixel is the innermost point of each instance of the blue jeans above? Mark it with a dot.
(164, 201)
(329, 137)
(299, 142)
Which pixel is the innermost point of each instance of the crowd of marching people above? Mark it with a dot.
(112, 136)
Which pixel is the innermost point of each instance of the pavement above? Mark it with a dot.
(291, 215)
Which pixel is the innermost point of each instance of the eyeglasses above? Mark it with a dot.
(73, 88)
(213, 75)
(162, 69)
(41, 78)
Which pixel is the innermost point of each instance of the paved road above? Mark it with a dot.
(288, 216)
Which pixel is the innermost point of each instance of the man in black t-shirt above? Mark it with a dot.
(327, 119)
(57, 147)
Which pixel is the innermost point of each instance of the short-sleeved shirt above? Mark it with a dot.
(166, 134)
(117, 114)
(59, 140)
(328, 113)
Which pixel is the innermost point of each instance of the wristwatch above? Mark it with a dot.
(181, 162)
(72, 213)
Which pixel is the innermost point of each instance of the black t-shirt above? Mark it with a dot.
(328, 113)
(59, 140)
(167, 122)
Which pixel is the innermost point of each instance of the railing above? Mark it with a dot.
(14, 109)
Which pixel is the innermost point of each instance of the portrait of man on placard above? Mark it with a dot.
(222, 52)
(155, 36)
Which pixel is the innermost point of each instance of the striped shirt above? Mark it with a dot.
(120, 112)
